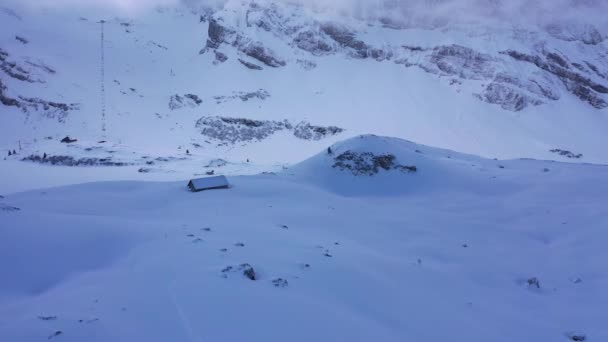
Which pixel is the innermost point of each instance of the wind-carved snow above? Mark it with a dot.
(233, 130)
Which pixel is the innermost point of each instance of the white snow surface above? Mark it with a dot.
(441, 254)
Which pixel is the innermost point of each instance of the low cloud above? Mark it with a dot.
(412, 12)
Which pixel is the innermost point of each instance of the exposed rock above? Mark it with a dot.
(233, 130)
(258, 52)
(533, 282)
(187, 100)
(4, 207)
(280, 282)
(250, 65)
(248, 271)
(68, 140)
(219, 35)
(345, 38)
(509, 98)
(579, 85)
(21, 40)
(220, 57)
(306, 64)
(461, 61)
(14, 70)
(566, 153)
(271, 18)
(306, 131)
(260, 94)
(71, 161)
(369, 164)
(313, 42)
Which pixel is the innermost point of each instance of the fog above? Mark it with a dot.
(408, 12)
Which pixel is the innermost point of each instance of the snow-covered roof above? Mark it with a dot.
(217, 182)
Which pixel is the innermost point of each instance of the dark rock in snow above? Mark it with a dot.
(280, 282)
(71, 161)
(260, 94)
(533, 282)
(566, 153)
(187, 100)
(68, 140)
(368, 163)
(55, 334)
(235, 130)
(250, 65)
(220, 57)
(345, 38)
(21, 40)
(248, 272)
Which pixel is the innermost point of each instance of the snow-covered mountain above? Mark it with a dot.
(274, 82)
(333, 227)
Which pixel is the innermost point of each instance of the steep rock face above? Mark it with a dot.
(493, 77)
(313, 42)
(28, 105)
(219, 34)
(346, 39)
(461, 61)
(30, 72)
(575, 78)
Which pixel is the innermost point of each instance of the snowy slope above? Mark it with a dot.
(342, 249)
(495, 91)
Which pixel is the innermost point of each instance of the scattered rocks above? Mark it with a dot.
(187, 100)
(8, 208)
(566, 153)
(71, 161)
(280, 282)
(246, 269)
